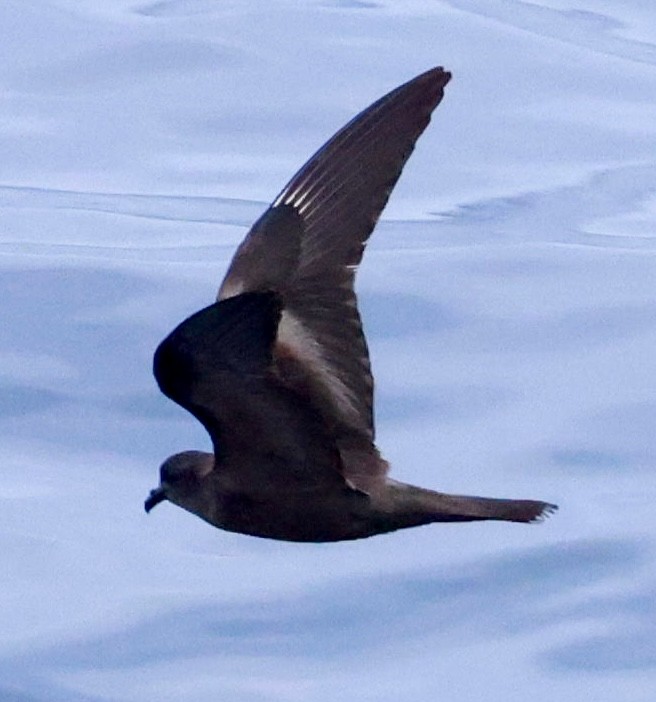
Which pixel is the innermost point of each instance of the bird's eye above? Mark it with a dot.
(168, 476)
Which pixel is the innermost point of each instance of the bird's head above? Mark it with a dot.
(180, 477)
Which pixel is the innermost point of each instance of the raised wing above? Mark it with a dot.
(308, 244)
(216, 349)
(217, 365)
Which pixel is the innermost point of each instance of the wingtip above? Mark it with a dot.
(437, 75)
(441, 72)
(427, 88)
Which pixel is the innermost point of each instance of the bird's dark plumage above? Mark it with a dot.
(277, 370)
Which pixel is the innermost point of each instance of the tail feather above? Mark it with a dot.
(413, 505)
(524, 511)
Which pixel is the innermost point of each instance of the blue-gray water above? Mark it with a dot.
(510, 305)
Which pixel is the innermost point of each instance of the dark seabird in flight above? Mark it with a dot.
(277, 370)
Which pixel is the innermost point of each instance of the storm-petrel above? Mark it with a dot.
(277, 370)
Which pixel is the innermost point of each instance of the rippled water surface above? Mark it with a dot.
(509, 296)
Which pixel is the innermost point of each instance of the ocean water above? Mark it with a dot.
(509, 297)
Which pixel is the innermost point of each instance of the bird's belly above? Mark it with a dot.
(309, 516)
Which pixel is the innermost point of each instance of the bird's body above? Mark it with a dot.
(277, 369)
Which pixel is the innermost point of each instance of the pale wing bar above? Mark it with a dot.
(337, 198)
